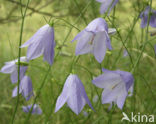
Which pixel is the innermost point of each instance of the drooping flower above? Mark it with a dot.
(144, 17)
(25, 88)
(107, 5)
(94, 39)
(36, 109)
(12, 68)
(42, 42)
(116, 85)
(74, 94)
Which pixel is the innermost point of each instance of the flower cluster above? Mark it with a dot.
(41, 43)
(94, 39)
(25, 86)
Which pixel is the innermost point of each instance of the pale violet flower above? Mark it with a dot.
(116, 85)
(41, 43)
(107, 5)
(94, 39)
(36, 109)
(74, 94)
(125, 53)
(11, 67)
(144, 17)
(25, 88)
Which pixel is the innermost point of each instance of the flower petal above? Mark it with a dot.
(106, 97)
(99, 46)
(14, 74)
(113, 4)
(101, 1)
(78, 36)
(26, 86)
(49, 48)
(35, 50)
(121, 97)
(107, 80)
(108, 41)
(64, 95)
(153, 20)
(75, 101)
(37, 36)
(84, 46)
(144, 22)
(14, 77)
(104, 6)
(14, 92)
(97, 25)
(127, 77)
(111, 94)
(36, 109)
(8, 68)
(61, 100)
(84, 94)
(144, 17)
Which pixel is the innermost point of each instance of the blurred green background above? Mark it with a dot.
(78, 13)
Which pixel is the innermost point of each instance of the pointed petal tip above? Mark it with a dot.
(77, 113)
(21, 46)
(49, 62)
(92, 108)
(56, 110)
(120, 107)
(77, 53)
(99, 60)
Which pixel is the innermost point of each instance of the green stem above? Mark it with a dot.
(124, 41)
(38, 94)
(19, 55)
(82, 15)
(68, 23)
(146, 40)
(140, 55)
(113, 108)
(65, 41)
